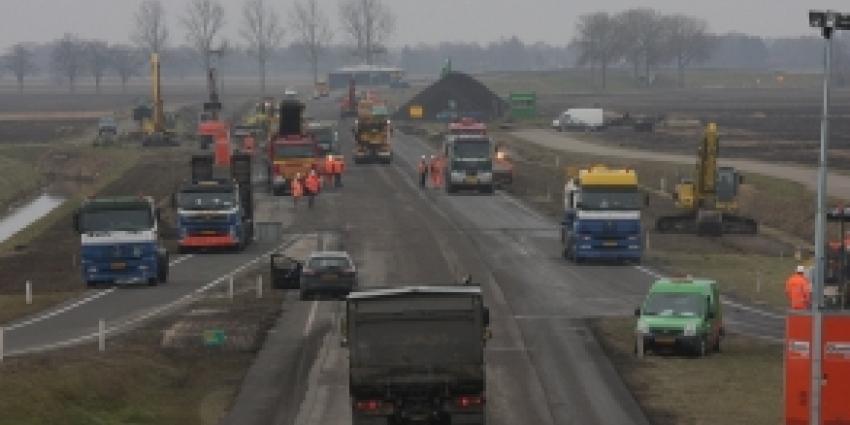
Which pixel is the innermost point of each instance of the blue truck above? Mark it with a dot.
(120, 242)
(602, 215)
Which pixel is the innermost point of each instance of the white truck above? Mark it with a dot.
(586, 119)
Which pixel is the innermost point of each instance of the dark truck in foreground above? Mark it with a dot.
(416, 355)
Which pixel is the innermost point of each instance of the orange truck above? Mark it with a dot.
(292, 151)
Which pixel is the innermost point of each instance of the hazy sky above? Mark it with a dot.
(418, 20)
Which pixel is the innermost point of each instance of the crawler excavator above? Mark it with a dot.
(710, 200)
(156, 134)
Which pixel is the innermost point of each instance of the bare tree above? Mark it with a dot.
(647, 41)
(151, 32)
(97, 60)
(126, 62)
(313, 31)
(67, 58)
(19, 60)
(369, 23)
(688, 42)
(629, 23)
(262, 31)
(598, 42)
(204, 19)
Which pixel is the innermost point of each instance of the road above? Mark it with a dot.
(838, 185)
(544, 365)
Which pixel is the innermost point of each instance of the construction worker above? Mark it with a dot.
(432, 170)
(338, 169)
(423, 171)
(297, 189)
(799, 290)
(328, 169)
(312, 186)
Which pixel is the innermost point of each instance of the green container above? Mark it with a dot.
(523, 105)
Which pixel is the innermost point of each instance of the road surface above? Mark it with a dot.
(838, 185)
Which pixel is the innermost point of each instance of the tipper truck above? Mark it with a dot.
(416, 355)
(291, 151)
(602, 215)
(216, 213)
(119, 241)
(469, 163)
(372, 133)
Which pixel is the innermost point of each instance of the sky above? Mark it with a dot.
(427, 21)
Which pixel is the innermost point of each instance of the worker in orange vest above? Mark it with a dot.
(338, 169)
(312, 185)
(297, 189)
(328, 168)
(423, 171)
(432, 170)
(799, 290)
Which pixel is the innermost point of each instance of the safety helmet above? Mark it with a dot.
(801, 269)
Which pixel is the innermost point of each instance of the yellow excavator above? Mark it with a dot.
(710, 202)
(154, 131)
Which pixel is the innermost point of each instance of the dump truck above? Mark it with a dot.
(709, 202)
(216, 213)
(119, 239)
(416, 355)
(602, 208)
(502, 166)
(469, 163)
(325, 135)
(292, 151)
(372, 133)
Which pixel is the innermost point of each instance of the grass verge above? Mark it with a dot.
(741, 385)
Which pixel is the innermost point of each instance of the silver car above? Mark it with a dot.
(328, 272)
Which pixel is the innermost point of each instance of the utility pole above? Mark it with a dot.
(828, 21)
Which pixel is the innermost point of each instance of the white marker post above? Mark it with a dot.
(259, 286)
(101, 335)
(230, 288)
(2, 348)
(29, 292)
(639, 344)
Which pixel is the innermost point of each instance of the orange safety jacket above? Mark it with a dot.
(297, 189)
(313, 184)
(799, 291)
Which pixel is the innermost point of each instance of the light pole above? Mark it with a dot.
(828, 21)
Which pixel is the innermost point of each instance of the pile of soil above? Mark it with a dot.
(471, 98)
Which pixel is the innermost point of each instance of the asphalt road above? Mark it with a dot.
(838, 185)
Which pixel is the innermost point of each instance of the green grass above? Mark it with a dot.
(741, 385)
(15, 306)
(17, 179)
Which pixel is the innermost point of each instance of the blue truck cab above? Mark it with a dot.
(602, 215)
(120, 242)
(210, 215)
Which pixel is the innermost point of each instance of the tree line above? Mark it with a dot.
(366, 25)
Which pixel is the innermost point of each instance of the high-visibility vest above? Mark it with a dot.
(798, 289)
(339, 166)
(313, 184)
(330, 164)
(297, 190)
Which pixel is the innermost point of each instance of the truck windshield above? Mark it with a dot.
(294, 151)
(206, 200)
(130, 220)
(675, 304)
(405, 342)
(477, 149)
(374, 126)
(322, 135)
(611, 199)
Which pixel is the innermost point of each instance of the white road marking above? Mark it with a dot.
(649, 272)
(180, 259)
(308, 326)
(57, 312)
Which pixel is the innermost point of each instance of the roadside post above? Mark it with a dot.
(259, 286)
(101, 335)
(2, 348)
(828, 22)
(230, 288)
(29, 292)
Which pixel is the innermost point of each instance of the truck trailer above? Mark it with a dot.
(416, 355)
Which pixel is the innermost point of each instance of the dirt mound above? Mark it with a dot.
(469, 96)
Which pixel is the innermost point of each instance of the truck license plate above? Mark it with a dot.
(208, 232)
(330, 277)
(665, 340)
(118, 266)
(471, 179)
(610, 243)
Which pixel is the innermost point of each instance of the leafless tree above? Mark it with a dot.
(126, 62)
(598, 42)
(688, 42)
(369, 23)
(262, 31)
(313, 31)
(151, 32)
(629, 23)
(644, 40)
(67, 59)
(204, 19)
(97, 60)
(19, 60)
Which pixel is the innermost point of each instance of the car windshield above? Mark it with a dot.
(319, 263)
(675, 304)
(626, 199)
(131, 220)
(294, 151)
(206, 200)
(477, 149)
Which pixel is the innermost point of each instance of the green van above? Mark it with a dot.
(681, 314)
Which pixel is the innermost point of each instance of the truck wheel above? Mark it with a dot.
(303, 295)
(488, 190)
(701, 350)
(162, 269)
(717, 345)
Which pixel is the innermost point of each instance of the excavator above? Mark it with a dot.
(154, 132)
(709, 203)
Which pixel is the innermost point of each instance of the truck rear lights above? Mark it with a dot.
(369, 406)
(308, 272)
(469, 401)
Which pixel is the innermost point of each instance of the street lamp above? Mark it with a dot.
(828, 21)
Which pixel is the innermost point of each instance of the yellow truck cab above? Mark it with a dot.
(681, 314)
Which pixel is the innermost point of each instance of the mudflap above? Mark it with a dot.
(163, 261)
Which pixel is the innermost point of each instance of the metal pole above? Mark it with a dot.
(820, 239)
(2, 348)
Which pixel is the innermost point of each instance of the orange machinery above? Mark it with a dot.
(217, 133)
(835, 408)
